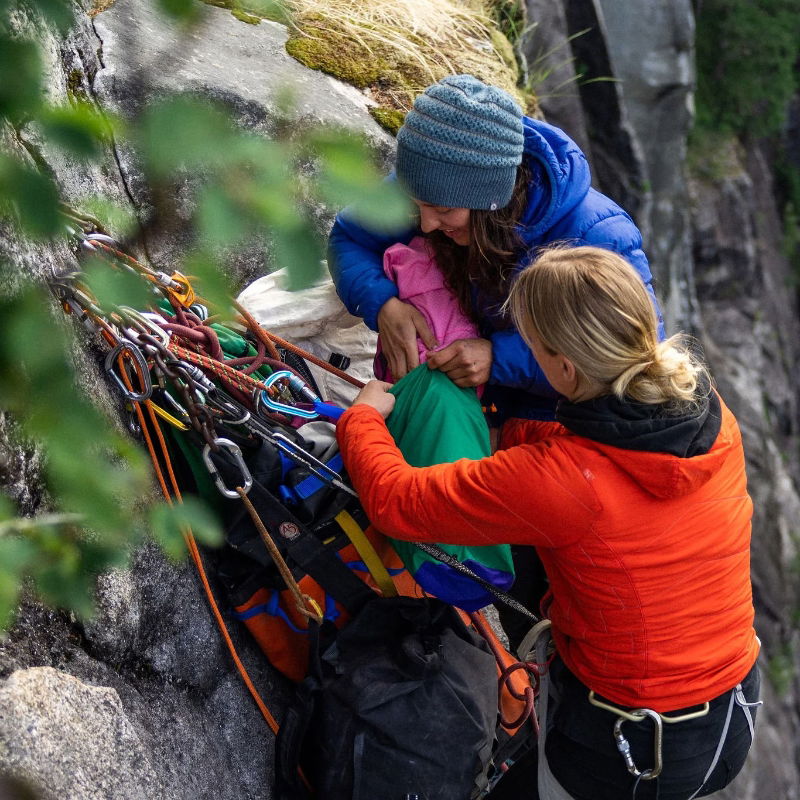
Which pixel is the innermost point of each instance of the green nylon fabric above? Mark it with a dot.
(436, 422)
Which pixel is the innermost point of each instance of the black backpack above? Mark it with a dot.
(400, 704)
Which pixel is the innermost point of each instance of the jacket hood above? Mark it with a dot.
(667, 454)
(560, 176)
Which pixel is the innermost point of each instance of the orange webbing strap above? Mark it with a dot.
(191, 544)
(265, 336)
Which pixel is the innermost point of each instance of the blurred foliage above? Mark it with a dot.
(250, 189)
(747, 53)
(748, 72)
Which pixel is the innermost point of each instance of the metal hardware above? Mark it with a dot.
(317, 467)
(233, 449)
(624, 747)
(136, 355)
(634, 716)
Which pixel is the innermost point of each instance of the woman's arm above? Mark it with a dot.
(532, 494)
(513, 365)
(355, 261)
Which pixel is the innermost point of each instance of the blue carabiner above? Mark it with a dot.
(283, 408)
(321, 408)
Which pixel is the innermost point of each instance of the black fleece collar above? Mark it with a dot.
(641, 426)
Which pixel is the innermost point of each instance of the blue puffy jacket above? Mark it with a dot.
(562, 206)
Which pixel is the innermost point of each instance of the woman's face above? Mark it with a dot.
(452, 222)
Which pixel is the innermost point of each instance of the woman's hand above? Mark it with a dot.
(376, 394)
(399, 324)
(467, 362)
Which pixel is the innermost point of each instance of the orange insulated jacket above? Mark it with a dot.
(647, 553)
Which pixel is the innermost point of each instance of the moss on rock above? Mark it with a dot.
(274, 11)
(389, 118)
(392, 75)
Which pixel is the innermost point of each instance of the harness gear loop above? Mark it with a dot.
(624, 747)
(123, 348)
(234, 450)
(634, 716)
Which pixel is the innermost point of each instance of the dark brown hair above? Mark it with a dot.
(488, 262)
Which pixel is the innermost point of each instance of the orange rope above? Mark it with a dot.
(191, 545)
(257, 330)
(241, 379)
(298, 351)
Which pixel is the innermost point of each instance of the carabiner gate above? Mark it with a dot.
(234, 450)
(135, 353)
(624, 746)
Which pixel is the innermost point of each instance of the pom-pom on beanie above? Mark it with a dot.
(460, 145)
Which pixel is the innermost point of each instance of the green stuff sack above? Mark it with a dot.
(436, 422)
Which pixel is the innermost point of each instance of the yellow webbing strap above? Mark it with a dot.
(367, 552)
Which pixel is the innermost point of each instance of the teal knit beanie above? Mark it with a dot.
(460, 145)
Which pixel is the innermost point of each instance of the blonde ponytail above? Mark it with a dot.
(591, 306)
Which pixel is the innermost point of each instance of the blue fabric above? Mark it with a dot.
(460, 590)
(461, 144)
(562, 207)
(273, 608)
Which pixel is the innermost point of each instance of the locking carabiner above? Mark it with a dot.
(624, 746)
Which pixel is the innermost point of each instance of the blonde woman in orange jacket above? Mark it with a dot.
(638, 508)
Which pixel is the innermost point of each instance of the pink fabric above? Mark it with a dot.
(421, 283)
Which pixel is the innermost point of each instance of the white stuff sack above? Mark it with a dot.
(316, 320)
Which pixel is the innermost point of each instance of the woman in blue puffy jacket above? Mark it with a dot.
(490, 186)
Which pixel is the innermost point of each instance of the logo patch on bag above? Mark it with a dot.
(289, 530)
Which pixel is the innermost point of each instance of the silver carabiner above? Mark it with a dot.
(136, 354)
(234, 450)
(624, 746)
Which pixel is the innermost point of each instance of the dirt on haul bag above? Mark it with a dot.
(316, 320)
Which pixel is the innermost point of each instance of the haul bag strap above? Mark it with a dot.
(305, 550)
(367, 552)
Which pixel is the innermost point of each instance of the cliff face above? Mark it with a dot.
(713, 236)
(143, 702)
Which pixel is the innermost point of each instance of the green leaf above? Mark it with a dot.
(210, 281)
(220, 221)
(30, 196)
(21, 85)
(16, 555)
(114, 286)
(64, 584)
(182, 132)
(118, 219)
(348, 177)
(169, 523)
(300, 251)
(58, 12)
(181, 10)
(79, 129)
